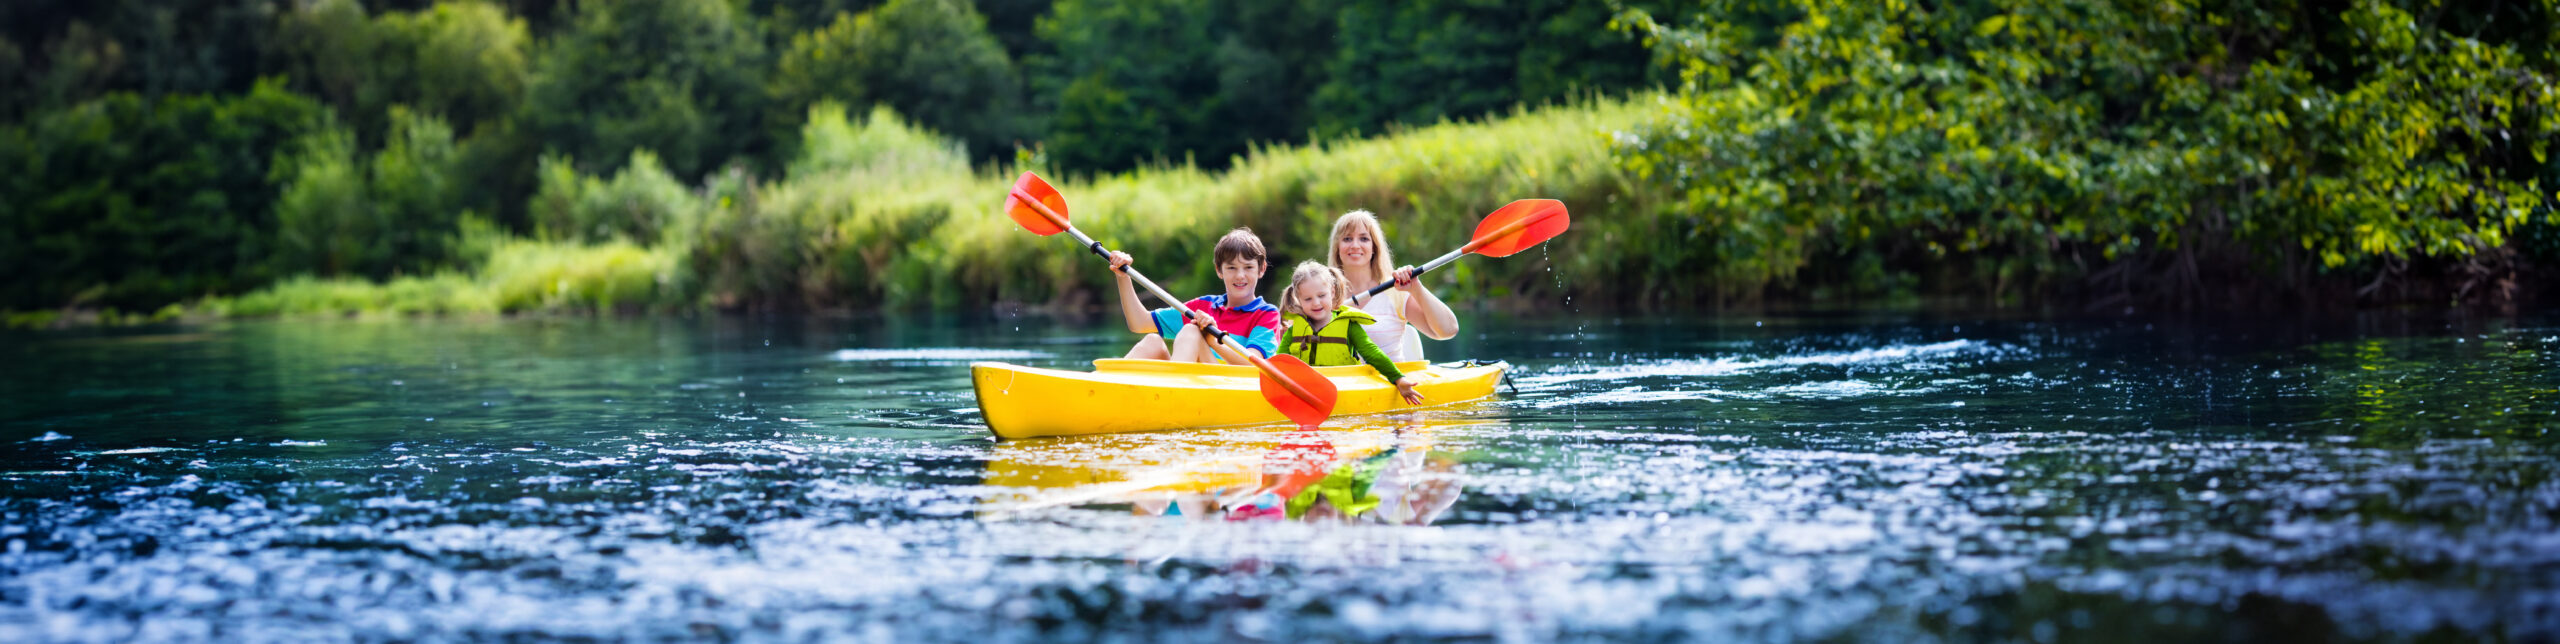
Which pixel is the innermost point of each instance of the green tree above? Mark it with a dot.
(1128, 83)
(639, 204)
(390, 214)
(131, 202)
(1413, 63)
(326, 224)
(683, 78)
(333, 51)
(2149, 148)
(932, 59)
(1013, 23)
(1416, 62)
(464, 61)
(789, 17)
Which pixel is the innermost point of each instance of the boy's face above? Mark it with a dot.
(1239, 274)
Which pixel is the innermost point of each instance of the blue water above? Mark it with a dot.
(1782, 476)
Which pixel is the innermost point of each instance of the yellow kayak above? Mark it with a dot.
(1122, 395)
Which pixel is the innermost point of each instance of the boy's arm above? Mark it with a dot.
(1231, 355)
(1265, 337)
(1132, 310)
(1370, 353)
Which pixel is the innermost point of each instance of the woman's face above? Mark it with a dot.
(1355, 247)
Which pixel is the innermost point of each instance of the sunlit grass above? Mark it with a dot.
(878, 214)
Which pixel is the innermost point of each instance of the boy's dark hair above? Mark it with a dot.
(1240, 243)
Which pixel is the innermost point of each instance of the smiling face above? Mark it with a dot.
(1313, 297)
(1358, 249)
(1239, 274)
(1355, 246)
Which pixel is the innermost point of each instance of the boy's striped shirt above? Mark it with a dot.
(1256, 324)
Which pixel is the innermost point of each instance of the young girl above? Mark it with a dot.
(1319, 329)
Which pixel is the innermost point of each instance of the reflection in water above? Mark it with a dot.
(1882, 478)
(1378, 475)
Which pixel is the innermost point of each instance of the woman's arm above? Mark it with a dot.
(1424, 310)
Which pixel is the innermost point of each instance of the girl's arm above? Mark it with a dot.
(1424, 310)
(1377, 359)
(1370, 353)
(1132, 310)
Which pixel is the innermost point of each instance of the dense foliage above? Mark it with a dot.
(171, 149)
(129, 202)
(478, 155)
(2156, 150)
(877, 213)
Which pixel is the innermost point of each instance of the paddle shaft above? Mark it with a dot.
(1389, 281)
(1212, 329)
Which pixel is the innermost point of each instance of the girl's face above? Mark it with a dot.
(1355, 247)
(1314, 300)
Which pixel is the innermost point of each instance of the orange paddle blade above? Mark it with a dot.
(1018, 205)
(1537, 220)
(1303, 412)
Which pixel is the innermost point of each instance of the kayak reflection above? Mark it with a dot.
(1385, 475)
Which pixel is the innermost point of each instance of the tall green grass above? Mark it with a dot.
(879, 214)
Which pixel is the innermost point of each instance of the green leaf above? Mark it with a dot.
(1991, 26)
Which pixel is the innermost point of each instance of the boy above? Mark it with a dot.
(1240, 313)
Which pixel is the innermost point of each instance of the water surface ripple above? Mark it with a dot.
(1868, 477)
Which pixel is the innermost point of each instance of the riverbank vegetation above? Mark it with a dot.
(254, 157)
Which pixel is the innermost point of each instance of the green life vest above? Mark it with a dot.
(1326, 347)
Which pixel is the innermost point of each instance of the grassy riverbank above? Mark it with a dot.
(875, 213)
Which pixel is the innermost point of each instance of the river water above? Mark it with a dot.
(1897, 476)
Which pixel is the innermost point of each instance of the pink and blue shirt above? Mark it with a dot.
(1256, 324)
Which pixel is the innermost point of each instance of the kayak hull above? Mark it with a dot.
(1122, 395)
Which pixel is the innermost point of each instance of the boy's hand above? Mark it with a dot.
(1119, 259)
(1404, 387)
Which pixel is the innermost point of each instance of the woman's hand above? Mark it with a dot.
(1404, 387)
(1405, 281)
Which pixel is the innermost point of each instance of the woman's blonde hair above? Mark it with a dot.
(1382, 264)
(1309, 271)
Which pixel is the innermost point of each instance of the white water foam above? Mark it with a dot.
(1727, 366)
(1640, 395)
(936, 354)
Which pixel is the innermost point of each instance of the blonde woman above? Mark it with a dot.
(1405, 314)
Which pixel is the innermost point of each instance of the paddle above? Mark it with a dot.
(1287, 382)
(1513, 228)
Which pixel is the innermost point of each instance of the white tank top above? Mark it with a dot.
(1392, 334)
